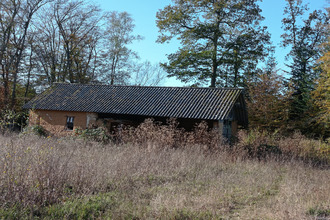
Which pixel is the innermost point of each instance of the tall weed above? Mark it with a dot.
(262, 145)
(160, 171)
(151, 133)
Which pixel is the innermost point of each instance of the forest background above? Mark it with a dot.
(221, 44)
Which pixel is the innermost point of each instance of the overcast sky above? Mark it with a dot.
(144, 14)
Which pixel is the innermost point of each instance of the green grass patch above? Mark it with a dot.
(87, 207)
(319, 212)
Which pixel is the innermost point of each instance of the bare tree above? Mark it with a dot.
(77, 23)
(147, 74)
(47, 41)
(15, 20)
(8, 14)
(118, 35)
(47, 47)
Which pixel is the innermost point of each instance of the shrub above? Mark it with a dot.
(300, 147)
(93, 134)
(257, 144)
(262, 145)
(152, 133)
(36, 130)
(11, 120)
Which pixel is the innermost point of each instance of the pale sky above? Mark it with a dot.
(144, 14)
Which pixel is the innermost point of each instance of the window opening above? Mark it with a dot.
(69, 123)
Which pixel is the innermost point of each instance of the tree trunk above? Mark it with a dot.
(18, 54)
(5, 79)
(214, 62)
(28, 76)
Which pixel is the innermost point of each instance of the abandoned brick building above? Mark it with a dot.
(64, 107)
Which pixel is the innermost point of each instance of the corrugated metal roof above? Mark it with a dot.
(176, 102)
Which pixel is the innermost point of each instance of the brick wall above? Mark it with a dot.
(55, 121)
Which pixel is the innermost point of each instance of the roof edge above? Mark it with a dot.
(139, 86)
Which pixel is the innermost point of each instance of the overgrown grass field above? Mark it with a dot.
(70, 178)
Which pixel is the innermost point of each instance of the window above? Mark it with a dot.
(69, 123)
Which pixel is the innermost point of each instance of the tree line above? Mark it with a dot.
(222, 44)
(48, 41)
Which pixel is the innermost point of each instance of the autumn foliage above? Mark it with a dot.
(267, 102)
(321, 95)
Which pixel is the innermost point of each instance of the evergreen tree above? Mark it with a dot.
(217, 37)
(304, 36)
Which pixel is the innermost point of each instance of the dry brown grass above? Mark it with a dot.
(71, 178)
(151, 133)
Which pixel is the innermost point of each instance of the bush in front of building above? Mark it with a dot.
(36, 130)
(93, 134)
(12, 121)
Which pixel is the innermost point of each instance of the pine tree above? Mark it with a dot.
(221, 40)
(305, 41)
